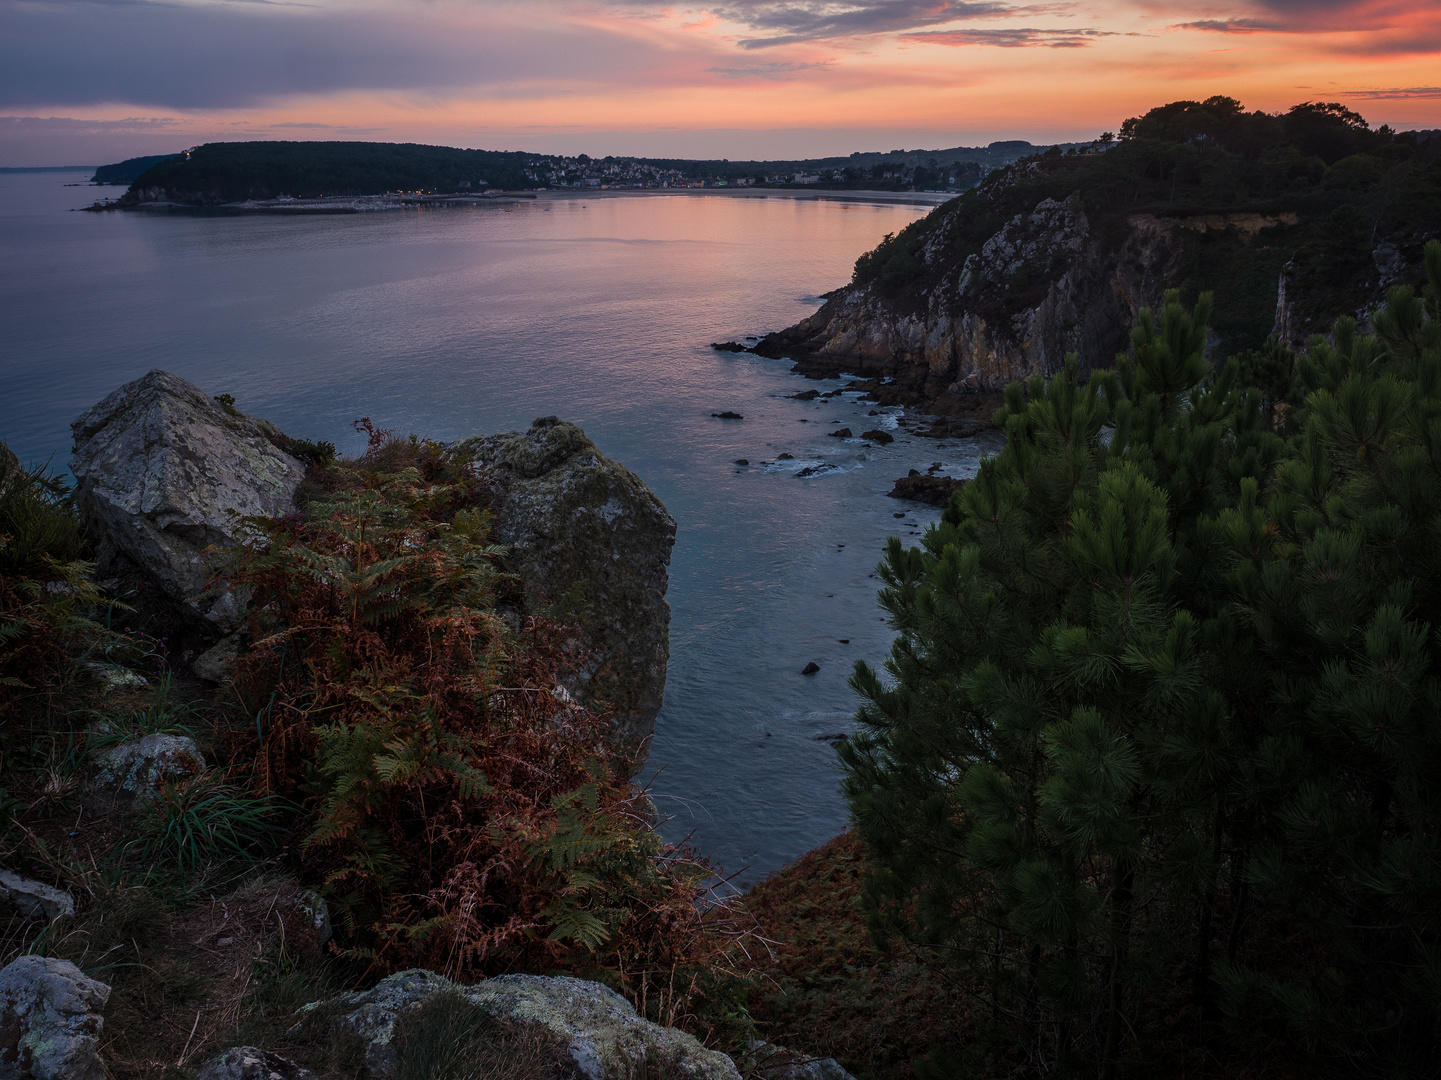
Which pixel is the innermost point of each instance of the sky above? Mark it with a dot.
(94, 81)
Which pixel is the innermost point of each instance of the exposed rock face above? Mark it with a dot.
(50, 1021)
(163, 469)
(595, 1032)
(252, 1063)
(140, 766)
(585, 529)
(34, 899)
(1042, 286)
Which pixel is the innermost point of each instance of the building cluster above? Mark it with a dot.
(584, 172)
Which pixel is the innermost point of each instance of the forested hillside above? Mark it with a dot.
(1345, 207)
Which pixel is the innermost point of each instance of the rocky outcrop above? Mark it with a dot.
(934, 490)
(163, 472)
(587, 1029)
(34, 899)
(586, 533)
(51, 1016)
(139, 766)
(1043, 285)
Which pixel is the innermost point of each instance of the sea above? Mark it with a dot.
(599, 308)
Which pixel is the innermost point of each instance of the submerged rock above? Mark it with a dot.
(163, 470)
(588, 1029)
(51, 1016)
(140, 766)
(586, 532)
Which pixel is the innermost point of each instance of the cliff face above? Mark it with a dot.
(1043, 285)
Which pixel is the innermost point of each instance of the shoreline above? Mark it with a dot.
(358, 204)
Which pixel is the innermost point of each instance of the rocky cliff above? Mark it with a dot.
(1043, 285)
(1289, 221)
(167, 472)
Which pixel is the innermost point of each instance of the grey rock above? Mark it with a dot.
(50, 1021)
(34, 899)
(583, 527)
(252, 1063)
(316, 912)
(113, 678)
(214, 663)
(164, 471)
(140, 766)
(9, 465)
(770, 1062)
(596, 1032)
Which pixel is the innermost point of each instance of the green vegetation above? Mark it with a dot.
(391, 738)
(1157, 768)
(1348, 187)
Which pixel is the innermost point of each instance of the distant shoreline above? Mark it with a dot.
(359, 204)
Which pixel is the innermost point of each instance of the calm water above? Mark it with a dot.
(453, 322)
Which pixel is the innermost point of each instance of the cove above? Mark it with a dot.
(451, 323)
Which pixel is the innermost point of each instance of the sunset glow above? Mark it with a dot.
(85, 81)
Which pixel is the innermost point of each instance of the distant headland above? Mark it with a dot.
(295, 175)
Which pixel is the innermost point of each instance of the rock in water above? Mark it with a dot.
(935, 490)
(587, 532)
(590, 1030)
(161, 467)
(50, 1021)
(252, 1063)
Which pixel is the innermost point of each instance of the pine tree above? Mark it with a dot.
(1164, 690)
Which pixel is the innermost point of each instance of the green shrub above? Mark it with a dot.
(204, 823)
(39, 528)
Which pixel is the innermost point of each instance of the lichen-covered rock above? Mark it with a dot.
(50, 1021)
(252, 1063)
(587, 531)
(112, 678)
(34, 899)
(595, 1032)
(140, 766)
(164, 470)
(215, 663)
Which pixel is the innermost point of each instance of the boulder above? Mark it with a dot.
(879, 436)
(252, 1063)
(767, 1061)
(588, 1029)
(140, 766)
(214, 664)
(50, 1021)
(34, 899)
(163, 471)
(586, 531)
